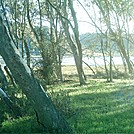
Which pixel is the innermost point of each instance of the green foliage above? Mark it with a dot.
(115, 74)
(21, 125)
(103, 108)
(44, 70)
(62, 101)
(20, 106)
(98, 107)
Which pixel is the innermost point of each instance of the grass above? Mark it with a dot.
(101, 107)
(97, 107)
(22, 125)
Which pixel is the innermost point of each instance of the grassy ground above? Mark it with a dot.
(100, 107)
(70, 70)
(97, 107)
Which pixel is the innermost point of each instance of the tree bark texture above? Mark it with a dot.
(48, 115)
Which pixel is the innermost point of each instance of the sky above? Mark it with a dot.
(84, 21)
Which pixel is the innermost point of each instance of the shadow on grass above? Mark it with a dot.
(108, 110)
(98, 107)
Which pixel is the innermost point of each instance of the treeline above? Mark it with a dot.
(22, 24)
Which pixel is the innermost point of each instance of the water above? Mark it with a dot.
(67, 60)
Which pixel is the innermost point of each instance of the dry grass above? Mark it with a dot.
(71, 70)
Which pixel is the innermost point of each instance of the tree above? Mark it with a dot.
(47, 114)
(112, 10)
(16, 11)
(115, 18)
(48, 39)
(73, 40)
(56, 39)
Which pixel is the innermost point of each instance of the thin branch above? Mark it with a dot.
(90, 17)
(61, 14)
(7, 22)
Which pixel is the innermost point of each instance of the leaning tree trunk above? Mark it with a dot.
(48, 116)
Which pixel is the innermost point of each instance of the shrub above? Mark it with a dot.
(62, 102)
(21, 125)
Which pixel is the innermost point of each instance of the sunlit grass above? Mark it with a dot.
(101, 107)
(97, 107)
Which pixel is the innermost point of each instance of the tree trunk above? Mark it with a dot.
(124, 62)
(77, 56)
(125, 56)
(104, 58)
(79, 68)
(3, 79)
(10, 76)
(111, 67)
(27, 52)
(74, 43)
(60, 76)
(48, 116)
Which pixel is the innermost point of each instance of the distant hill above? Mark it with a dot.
(89, 38)
(92, 41)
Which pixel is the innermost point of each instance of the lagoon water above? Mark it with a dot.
(67, 60)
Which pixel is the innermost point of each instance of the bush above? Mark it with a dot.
(21, 125)
(116, 75)
(62, 102)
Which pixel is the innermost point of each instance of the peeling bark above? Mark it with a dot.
(48, 115)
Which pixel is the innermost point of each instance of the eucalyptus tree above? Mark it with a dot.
(116, 16)
(95, 19)
(57, 39)
(113, 14)
(106, 48)
(48, 116)
(65, 10)
(35, 19)
(48, 39)
(15, 17)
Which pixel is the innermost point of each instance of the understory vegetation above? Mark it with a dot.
(97, 107)
(78, 52)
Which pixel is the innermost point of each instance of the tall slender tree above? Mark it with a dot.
(48, 116)
(112, 10)
(73, 40)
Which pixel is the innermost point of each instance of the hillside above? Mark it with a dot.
(92, 42)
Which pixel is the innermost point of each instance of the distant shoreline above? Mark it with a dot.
(69, 60)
